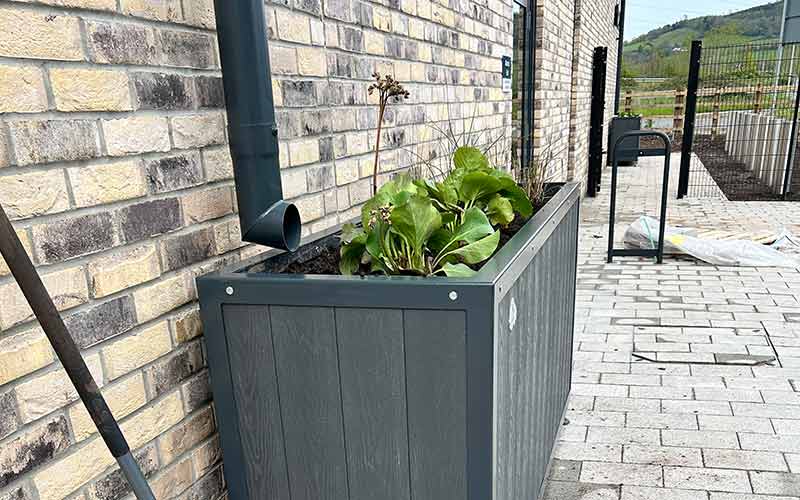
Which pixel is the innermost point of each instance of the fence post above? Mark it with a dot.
(691, 109)
(757, 98)
(715, 115)
(680, 108)
(787, 177)
(628, 108)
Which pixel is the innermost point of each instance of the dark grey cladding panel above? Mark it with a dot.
(534, 357)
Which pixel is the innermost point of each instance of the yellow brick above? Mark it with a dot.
(136, 134)
(347, 171)
(152, 421)
(39, 35)
(381, 19)
(201, 206)
(402, 71)
(416, 28)
(123, 398)
(26, 243)
(157, 299)
(107, 183)
(90, 90)
(218, 164)
(23, 354)
(189, 433)
(303, 152)
(67, 287)
(162, 10)
(188, 326)
(374, 43)
(195, 131)
(22, 89)
(174, 481)
(409, 6)
(200, 13)
(311, 61)
(207, 456)
(37, 193)
(283, 60)
(127, 354)
(293, 27)
(53, 390)
(123, 270)
(311, 208)
(68, 474)
(83, 4)
(227, 236)
(277, 93)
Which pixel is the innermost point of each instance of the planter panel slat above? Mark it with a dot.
(308, 384)
(372, 363)
(437, 391)
(534, 357)
(250, 348)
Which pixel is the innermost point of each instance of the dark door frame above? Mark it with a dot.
(528, 86)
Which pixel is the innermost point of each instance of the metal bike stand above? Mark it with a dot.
(658, 253)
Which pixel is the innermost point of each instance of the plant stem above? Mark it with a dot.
(382, 108)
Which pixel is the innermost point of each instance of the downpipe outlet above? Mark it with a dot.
(265, 217)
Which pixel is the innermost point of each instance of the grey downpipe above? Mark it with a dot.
(265, 217)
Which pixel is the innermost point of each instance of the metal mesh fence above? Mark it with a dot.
(744, 123)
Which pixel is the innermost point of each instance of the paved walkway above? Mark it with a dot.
(685, 428)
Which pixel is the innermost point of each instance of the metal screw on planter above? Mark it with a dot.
(70, 356)
(229, 290)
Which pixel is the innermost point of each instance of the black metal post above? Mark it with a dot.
(597, 116)
(620, 49)
(688, 123)
(70, 356)
(787, 176)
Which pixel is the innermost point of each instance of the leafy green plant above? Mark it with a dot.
(424, 228)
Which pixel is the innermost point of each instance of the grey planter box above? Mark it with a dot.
(332, 387)
(620, 126)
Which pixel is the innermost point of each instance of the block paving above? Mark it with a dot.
(687, 427)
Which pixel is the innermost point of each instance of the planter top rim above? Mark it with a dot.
(537, 228)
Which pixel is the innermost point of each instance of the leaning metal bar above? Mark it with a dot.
(787, 176)
(658, 252)
(688, 123)
(53, 325)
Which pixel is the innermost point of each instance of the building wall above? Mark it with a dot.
(115, 169)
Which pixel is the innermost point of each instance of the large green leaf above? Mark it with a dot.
(350, 232)
(500, 210)
(475, 226)
(416, 221)
(469, 158)
(479, 251)
(477, 185)
(352, 250)
(440, 239)
(458, 271)
(519, 200)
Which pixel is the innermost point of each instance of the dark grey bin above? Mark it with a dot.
(332, 387)
(619, 127)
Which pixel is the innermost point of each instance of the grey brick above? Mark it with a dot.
(310, 6)
(351, 39)
(770, 442)
(32, 449)
(645, 493)
(171, 371)
(737, 424)
(615, 435)
(101, 321)
(174, 172)
(197, 392)
(321, 177)
(326, 152)
(162, 91)
(210, 92)
(149, 218)
(776, 483)
(339, 9)
(45, 141)
(567, 490)
(299, 93)
(706, 479)
(118, 43)
(700, 439)
(185, 249)
(186, 49)
(588, 452)
(210, 486)
(114, 486)
(9, 421)
(662, 455)
(612, 473)
(564, 470)
(67, 238)
(747, 460)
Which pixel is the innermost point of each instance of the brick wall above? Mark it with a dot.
(115, 169)
(567, 33)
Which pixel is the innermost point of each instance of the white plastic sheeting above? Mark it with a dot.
(644, 234)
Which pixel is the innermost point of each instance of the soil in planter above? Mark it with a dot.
(322, 257)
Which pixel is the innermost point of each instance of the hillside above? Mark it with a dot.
(658, 54)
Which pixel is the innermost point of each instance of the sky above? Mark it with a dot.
(642, 16)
